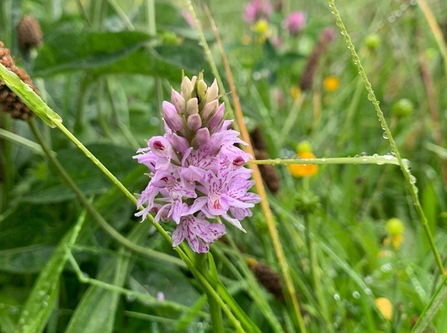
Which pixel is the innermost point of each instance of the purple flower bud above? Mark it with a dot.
(172, 118)
(178, 101)
(202, 136)
(217, 119)
(194, 122)
(295, 22)
(209, 109)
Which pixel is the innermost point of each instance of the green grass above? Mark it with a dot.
(81, 262)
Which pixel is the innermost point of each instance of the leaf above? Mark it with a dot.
(41, 301)
(70, 51)
(25, 260)
(8, 314)
(85, 174)
(117, 53)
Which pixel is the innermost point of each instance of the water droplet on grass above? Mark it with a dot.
(386, 268)
(356, 294)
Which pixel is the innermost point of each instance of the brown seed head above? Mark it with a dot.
(29, 33)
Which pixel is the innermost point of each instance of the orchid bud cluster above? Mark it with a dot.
(197, 173)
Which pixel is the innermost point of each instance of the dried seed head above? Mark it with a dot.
(10, 101)
(29, 33)
(257, 139)
(268, 172)
(267, 277)
(306, 80)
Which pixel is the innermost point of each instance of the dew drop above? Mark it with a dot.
(337, 297)
(413, 179)
(356, 294)
(386, 268)
(385, 136)
(130, 297)
(15, 310)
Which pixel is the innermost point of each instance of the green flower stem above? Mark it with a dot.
(220, 294)
(409, 179)
(375, 159)
(215, 310)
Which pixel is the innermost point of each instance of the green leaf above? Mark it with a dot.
(41, 301)
(85, 174)
(117, 53)
(70, 51)
(8, 314)
(24, 260)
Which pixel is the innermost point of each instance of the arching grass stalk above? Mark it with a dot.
(409, 179)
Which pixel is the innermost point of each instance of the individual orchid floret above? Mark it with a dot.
(197, 175)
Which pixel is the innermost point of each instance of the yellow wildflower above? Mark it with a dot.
(331, 83)
(395, 230)
(385, 307)
(303, 170)
(295, 92)
(262, 29)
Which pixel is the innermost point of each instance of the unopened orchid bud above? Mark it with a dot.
(178, 101)
(201, 89)
(212, 92)
(194, 122)
(192, 106)
(209, 109)
(187, 87)
(202, 136)
(217, 119)
(172, 118)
